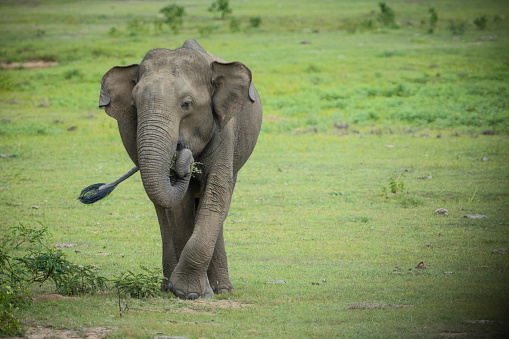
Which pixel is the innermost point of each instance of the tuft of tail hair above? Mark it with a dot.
(96, 192)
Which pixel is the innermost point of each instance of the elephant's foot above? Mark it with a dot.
(219, 280)
(222, 287)
(165, 285)
(190, 288)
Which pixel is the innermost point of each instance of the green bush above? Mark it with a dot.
(386, 16)
(457, 28)
(174, 14)
(26, 258)
(221, 6)
(255, 22)
(481, 22)
(140, 285)
(433, 19)
(394, 186)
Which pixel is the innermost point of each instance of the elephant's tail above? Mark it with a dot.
(96, 192)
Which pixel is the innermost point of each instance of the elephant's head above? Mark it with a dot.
(172, 101)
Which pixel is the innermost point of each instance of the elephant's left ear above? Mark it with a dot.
(232, 90)
(116, 93)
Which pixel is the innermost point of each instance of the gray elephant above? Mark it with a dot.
(204, 109)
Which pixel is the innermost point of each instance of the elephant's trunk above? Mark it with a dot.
(157, 142)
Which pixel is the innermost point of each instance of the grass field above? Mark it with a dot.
(367, 131)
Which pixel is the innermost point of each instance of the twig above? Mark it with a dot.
(119, 305)
(125, 308)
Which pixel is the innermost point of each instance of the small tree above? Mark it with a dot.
(386, 15)
(173, 14)
(221, 6)
(433, 18)
(481, 22)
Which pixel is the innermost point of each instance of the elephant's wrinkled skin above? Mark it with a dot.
(207, 110)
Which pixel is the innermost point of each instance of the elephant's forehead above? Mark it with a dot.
(176, 62)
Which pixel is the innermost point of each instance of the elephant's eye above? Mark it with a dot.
(186, 104)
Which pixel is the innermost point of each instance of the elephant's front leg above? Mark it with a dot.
(189, 279)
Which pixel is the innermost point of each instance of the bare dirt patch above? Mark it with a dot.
(374, 306)
(223, 304)
(49, 297)
(32, 64)
(40, 332)
(208, 307)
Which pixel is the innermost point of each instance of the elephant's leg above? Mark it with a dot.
(218, 268)
(169, 257)
(189, 279)
(181, 218)
(176, 227)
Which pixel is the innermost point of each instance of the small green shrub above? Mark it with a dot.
(140, 285)
(113, 31)
(174, 14)
(457, 28)
(432, 20)
(255, 22)
(25, 259)
(481, 22)
(386, 16)
(221, 6)
(394, 186)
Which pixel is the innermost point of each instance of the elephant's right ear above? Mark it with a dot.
(116, 93)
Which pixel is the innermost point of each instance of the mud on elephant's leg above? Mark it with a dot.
(218, 268)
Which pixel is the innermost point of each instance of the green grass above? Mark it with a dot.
(310, 203)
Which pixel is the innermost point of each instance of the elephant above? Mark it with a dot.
(189, 106)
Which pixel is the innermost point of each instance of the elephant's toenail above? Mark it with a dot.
(192, 296)
(179, 294)
(222, 291)
(207, 296)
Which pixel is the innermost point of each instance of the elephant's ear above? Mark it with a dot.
(232, 89)
(116, 93)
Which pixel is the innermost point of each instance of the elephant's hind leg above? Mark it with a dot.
(169, 256)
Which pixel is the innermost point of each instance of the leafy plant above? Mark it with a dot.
(255, 22)
(39, 263)
(433, 19)
(194, 166)
(481, 22)
(174, 14)
(394, 185)
(221, 6)
(457, 28)
(140, 285)
(386, 16)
